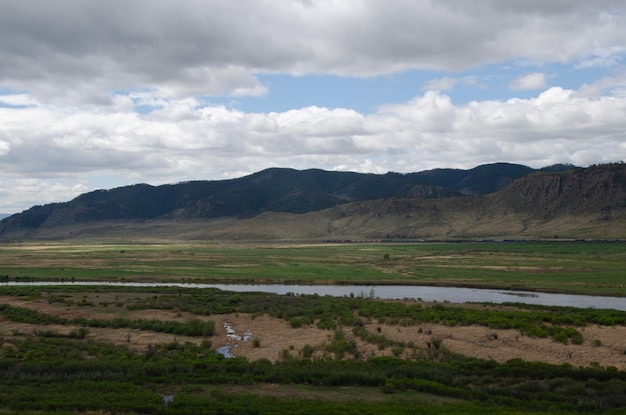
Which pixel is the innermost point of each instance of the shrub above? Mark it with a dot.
(397, 350)
(307, 351)
(436, 341)
(297, 322)
(81, 333)
(340, 346)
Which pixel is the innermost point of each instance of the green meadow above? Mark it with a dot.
(574, 267)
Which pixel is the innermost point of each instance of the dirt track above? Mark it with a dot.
(602, 345)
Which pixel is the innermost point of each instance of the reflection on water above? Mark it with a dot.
(425, 293)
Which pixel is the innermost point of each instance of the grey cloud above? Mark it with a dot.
(197, 47)
(72, 70)
(535, 80)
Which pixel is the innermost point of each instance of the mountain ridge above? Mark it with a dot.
(273, 189)
(286, 204)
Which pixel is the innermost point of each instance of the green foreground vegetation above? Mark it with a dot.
(45, 371)
(54, 363)
(594, 268)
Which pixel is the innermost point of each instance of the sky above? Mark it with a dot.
(99, 94)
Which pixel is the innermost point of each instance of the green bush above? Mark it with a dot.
(296, 322)
(307, 351)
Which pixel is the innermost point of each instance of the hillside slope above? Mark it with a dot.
(582, 203)
(587, 203)
(271, 190)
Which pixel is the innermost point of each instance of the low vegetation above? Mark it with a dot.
(594, 268)
(61, 365)
(154, 350)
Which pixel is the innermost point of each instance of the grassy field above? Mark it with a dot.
(573, 267)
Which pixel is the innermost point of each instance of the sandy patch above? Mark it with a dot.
(273, 336)
(503, 345)
(276, 335)
(602, 345)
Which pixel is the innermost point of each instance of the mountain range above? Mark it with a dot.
(493, 200)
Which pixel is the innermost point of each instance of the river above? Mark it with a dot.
(425, 293)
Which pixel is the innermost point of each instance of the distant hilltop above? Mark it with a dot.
(499, 199)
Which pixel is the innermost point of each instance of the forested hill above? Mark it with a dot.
(271, 190)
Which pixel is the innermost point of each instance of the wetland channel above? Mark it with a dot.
(391, 292)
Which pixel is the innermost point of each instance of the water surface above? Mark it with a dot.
(425, 293)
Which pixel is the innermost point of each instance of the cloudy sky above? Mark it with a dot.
(98, 94)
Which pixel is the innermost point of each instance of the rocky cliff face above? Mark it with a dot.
(584, 203)
(595, 190)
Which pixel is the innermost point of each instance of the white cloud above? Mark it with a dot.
(607, 57)
(614, 85)
(4, 148)
(17, 100)
(20, 193)
(531, 81)
(184, 141)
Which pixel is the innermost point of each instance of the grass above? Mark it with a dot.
(332, 394)
(573, 267)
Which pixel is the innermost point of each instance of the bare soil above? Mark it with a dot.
(275, 338)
